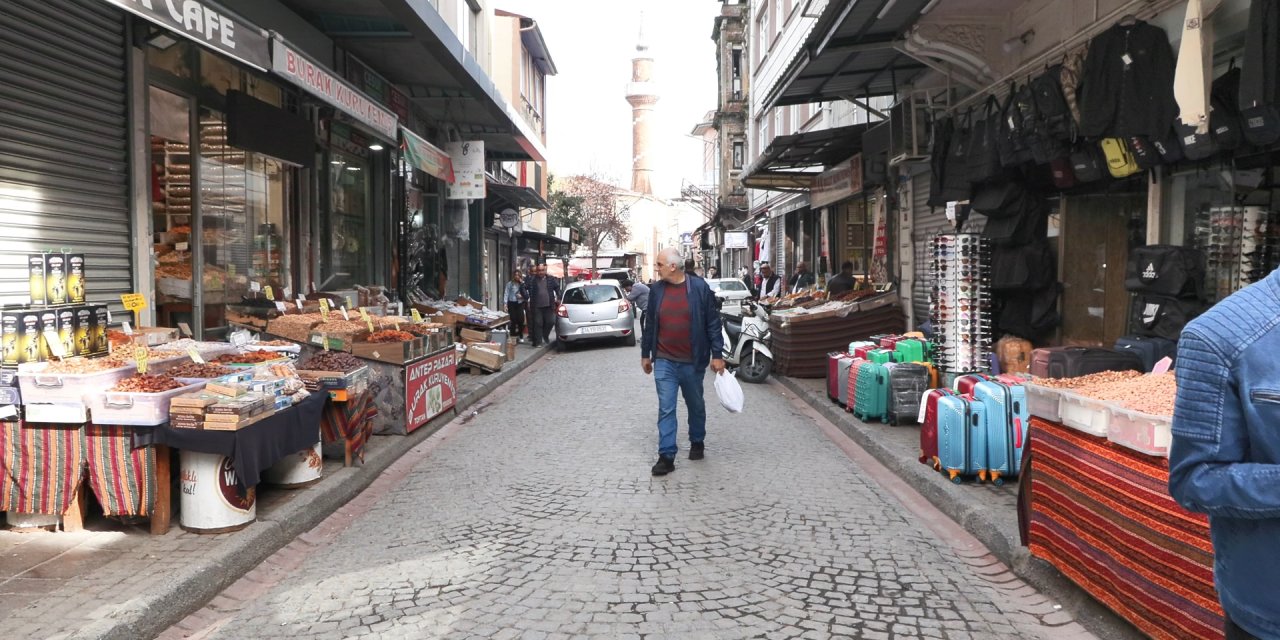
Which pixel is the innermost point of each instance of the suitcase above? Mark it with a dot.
(908, 382)
(833, 373)
(851, 388)
(1073, 362)
(880, 356)
(929, 427)
(1014, 354)
(1007, 422)
(909, 350)
(1150, 350)
(845, 366)
(962, 437)
(888, 342)
(871, 392)
(933, 373)
(964, 385)
(862, 351)
(856, 344)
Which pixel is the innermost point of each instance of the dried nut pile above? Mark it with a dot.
(248, 357)
(193, 370)
(1103, 378)
(275, 343)
(296, 327)
(1153, 394)
(146, 384)
(331, 361)
(390, 336)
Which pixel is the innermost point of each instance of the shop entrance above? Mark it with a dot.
(1097, 232)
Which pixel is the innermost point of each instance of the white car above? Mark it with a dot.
(731, 290)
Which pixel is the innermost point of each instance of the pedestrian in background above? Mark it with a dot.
(542, 293)
(770, 282)
(514, 298)
(844, 282)
(681, 335)
(749, 280)
(802, 279)
(713, 272)
(638, 295)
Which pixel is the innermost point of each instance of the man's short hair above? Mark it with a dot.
(689, 264)
(846, 265)
(626, 284)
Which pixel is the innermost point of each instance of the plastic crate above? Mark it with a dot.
(39, 387)
(1043, 402)
(136, 409)
(1142, 432)
(1084, 414)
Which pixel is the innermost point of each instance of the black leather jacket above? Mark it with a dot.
(1126, 88)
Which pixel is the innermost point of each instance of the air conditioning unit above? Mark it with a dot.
(909, 128)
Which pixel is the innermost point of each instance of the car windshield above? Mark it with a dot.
(731, 285)
(592, 294)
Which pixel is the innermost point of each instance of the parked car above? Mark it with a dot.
(594, 310)
(614, 273)
(730, 290)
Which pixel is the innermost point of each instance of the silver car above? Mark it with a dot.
(594, 310)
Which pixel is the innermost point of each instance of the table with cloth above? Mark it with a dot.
(1102, 515)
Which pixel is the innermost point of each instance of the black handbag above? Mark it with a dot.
(984, 156)
(1162, 317)
(1165, 270)
(1087, 163)
(956, 185)
(1260, 125)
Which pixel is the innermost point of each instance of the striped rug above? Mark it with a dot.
(1102, 515)
(122, 478)
(350, 421)
(40, 466)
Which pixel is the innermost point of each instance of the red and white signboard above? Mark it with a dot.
(302, 71)
(430, 387)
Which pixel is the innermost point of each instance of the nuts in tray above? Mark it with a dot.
(331, 361)
(144, 383)
(1152, 394)
(1102, 378)
(390, 336)
(193, 370)
(248, 357)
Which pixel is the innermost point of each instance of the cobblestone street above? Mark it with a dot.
(537, 518)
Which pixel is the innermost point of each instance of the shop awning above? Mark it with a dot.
(409, 43)
(517, 196)
(853, 51)
(790, 163)
(426, 156)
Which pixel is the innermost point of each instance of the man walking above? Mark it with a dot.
(542, 293)
(681, 334)
(1224, 459)
(638, 295)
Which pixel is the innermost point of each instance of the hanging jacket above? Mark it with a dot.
(1127, 85)
(1260, 73)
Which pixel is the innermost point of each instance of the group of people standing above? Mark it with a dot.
(765, 283)
(531, 303)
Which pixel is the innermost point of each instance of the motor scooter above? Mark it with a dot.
(746, 341)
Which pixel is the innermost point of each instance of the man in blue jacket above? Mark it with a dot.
(681, 334)
(1225, 457)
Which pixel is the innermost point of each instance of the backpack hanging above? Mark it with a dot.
(1224, 114)
(1144, 153)
(1022, 268)
(1168, 148)
(984, 156)
(943, 129)
(1064, 177)
(1087, 163)
(1012, 142)
(956, 185)
(1120, 162)
(1260, 125)
(1195, 146)
(1051, 104)
(1165, 270)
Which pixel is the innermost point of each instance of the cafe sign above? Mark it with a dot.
(837, 183)
(304, 72)
(208, 25)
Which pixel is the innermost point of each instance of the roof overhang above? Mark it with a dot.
(409, 43)
(531, 38)
(853, 51)
(790, 163)
(516, 196)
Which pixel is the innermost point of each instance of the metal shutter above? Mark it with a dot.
(64, 179)
(779, 230)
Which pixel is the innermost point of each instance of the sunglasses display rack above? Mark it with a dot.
(1239, 244)
(960, 302)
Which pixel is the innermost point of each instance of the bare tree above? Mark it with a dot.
(600, 217)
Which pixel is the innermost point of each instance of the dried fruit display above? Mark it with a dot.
(248, 357)
(1153, 394)
(193, 370)
(389, 336)
(145, 383)
(1105, 377)
(331, 361)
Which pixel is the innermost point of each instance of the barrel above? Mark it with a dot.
(297, 470)
(212, 502)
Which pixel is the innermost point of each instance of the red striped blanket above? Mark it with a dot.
(40, 466)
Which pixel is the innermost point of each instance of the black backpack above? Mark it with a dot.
(1168, 147)
(984, 154)
(1013, 140)
(956, 185)
(1029, 267)
(943, 130)
(1051, 104)
(1029, 225)
(1144, 153)
(1165, 270)
(1261, 125)
(1029, 315)
(1224, 118)
(1087, 163)
(1162, 317)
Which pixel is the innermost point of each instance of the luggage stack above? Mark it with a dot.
(1168, 283)
(1240, 246)
(882, 378)
(979, 431)
(960, 304)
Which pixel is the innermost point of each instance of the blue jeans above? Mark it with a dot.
(686, 378)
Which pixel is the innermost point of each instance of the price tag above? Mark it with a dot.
(266, 291)
(195, 355)
(301, 301)
(8, 411)
(126, 328)
(345, 315)
(364, 315)
(369, 321)
(56, 348)
(281, 307)
(142, 356)
(349, 304)
(324, 340)
(286, 293)
(185, 329)
(231, 270)
(239, 338)
(313, 286)
(397, 326)
(1162, 366)
(399, 308)
(255, 287)
(181, 246)
(133, 301)
(417, 316)
(324, 309)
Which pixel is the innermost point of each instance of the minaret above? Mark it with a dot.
(643, 96)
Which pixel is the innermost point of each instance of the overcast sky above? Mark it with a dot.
(592, 43)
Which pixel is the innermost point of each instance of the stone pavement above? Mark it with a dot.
(117, 581)
(537, 518)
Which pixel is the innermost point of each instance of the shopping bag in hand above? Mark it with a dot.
(730, 392)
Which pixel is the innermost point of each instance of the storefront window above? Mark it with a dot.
(345, 227)
(174, 59)
(171, 202)
(218, 73)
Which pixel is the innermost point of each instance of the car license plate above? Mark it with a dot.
(596, 329)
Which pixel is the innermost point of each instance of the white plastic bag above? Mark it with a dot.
(730, 392)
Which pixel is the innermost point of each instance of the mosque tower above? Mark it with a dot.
(642, 93)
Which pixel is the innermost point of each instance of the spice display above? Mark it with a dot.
(389, 336)
(248, 357)
(194, 370)
(145, 383)
(118, 338)
(332, 361)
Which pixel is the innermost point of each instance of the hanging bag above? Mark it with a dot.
(1087, 163)
(1165, 270)
(1224, 113)
(943, 130)
(956, 185)
(1144, 153)
(984, 157)
(1051, 104)
(1120, 162)
(729, 392)
(1260, 125)
(1012, 144)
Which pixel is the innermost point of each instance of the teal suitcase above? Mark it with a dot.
(880, 356)
(871, 392)
(910, 350)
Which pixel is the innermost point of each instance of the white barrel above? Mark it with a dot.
(298, 470)
(32, 520)
(211, 499)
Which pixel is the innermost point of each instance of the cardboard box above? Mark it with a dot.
(474, 335)
(10, 321)
(29, 337)
(98, 331)
(485, 355)
(84, 331)
(55, 278)
(35, 277)
(48, 323)
(75, 277)
(236, 426)
(66, 323)
(228, 390)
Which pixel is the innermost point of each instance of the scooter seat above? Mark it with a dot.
(734, 329)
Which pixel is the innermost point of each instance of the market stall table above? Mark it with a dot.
(1102, 515)
(252, 449)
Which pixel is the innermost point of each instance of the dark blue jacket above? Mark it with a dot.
(1225, 455)
(702, 313)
